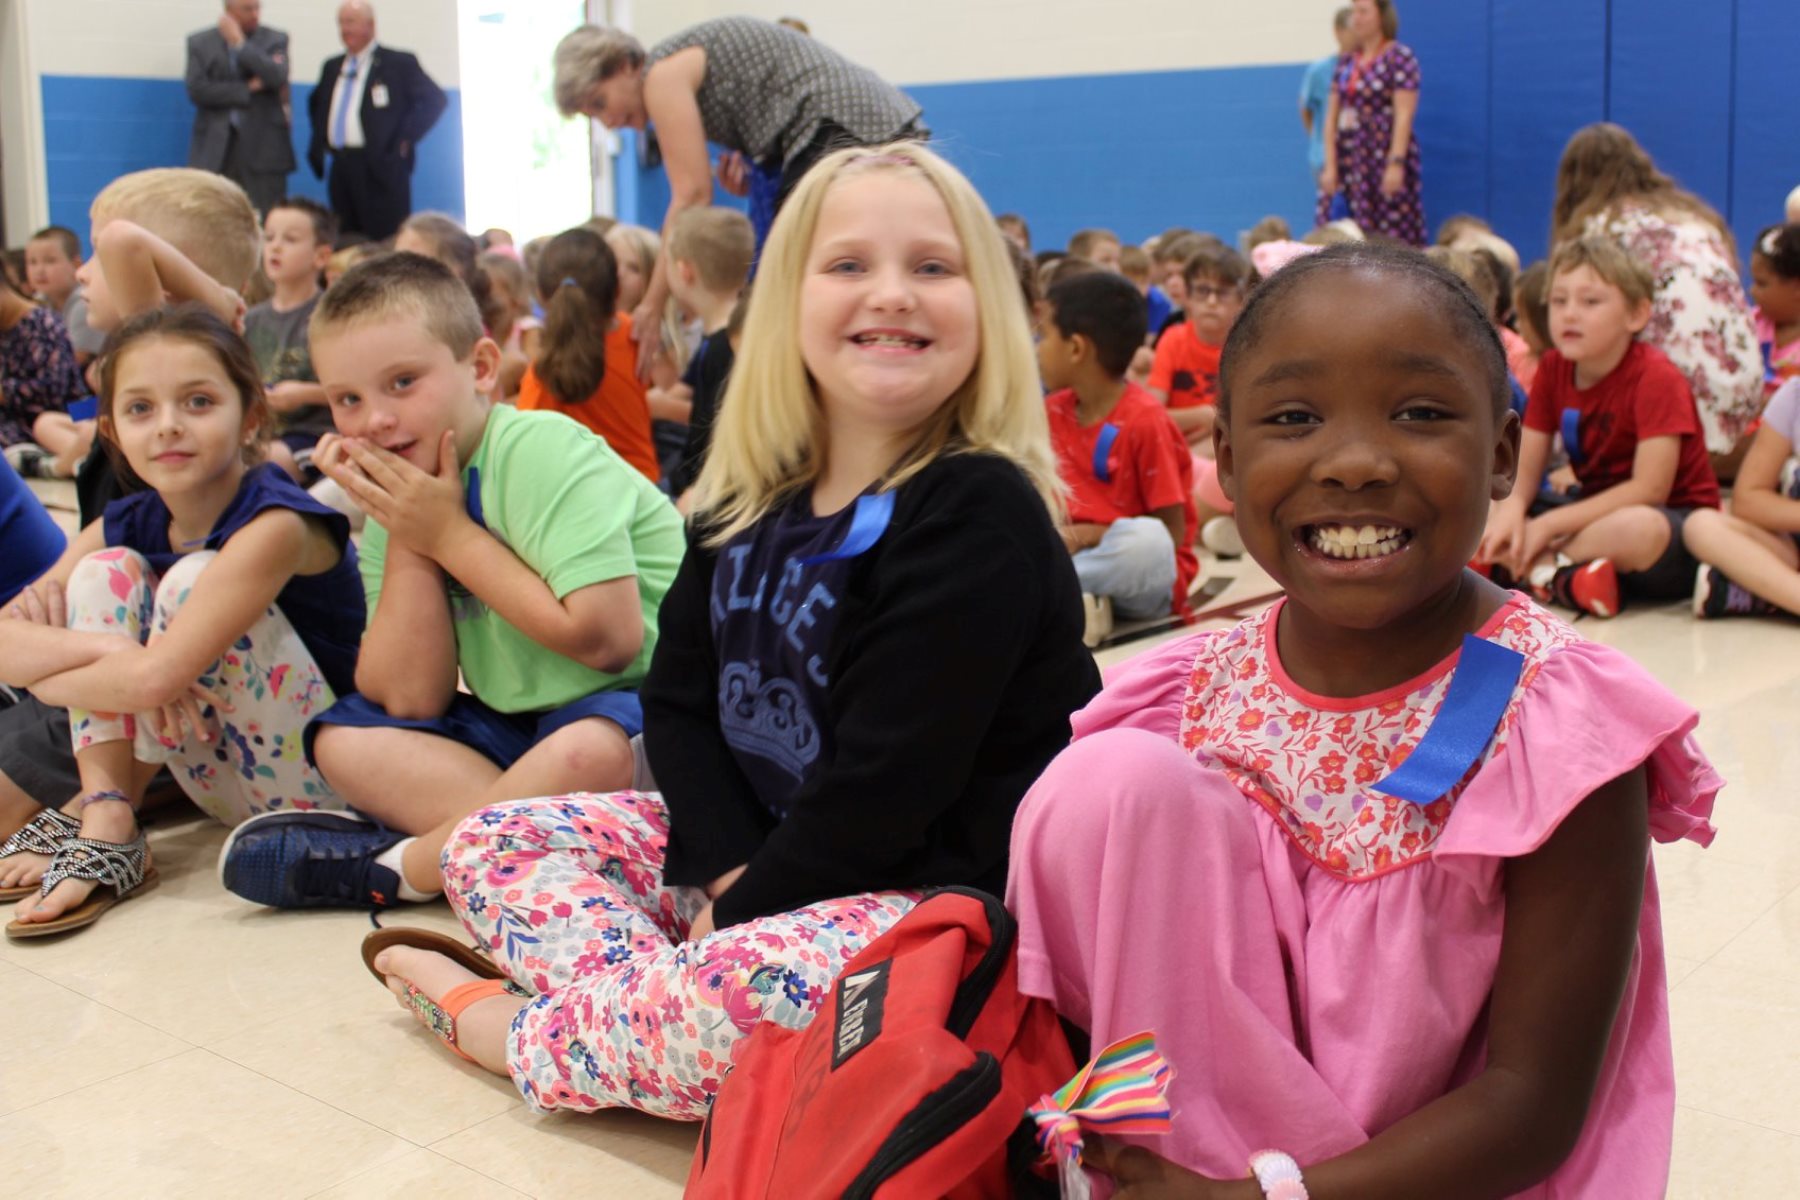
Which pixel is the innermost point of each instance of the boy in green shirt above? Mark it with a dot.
(514, 548)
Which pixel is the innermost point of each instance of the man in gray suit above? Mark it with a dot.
(237, 77)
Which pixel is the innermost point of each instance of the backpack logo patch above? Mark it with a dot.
(862, 998)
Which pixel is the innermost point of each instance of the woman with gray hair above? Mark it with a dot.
(777, 99)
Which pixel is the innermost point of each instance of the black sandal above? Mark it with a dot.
(125, 867)
(43, 834)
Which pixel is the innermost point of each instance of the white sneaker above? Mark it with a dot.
(1220, 536)
(1099, 624)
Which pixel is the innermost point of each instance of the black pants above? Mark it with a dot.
(830, 136)
(370, 196)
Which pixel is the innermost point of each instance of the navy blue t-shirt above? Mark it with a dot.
(327, 610)
(776, 593)
(30, 541)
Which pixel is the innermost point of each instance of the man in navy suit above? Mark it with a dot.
(237, 77)
(370, 109)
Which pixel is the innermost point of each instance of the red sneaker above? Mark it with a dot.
(1589, 587)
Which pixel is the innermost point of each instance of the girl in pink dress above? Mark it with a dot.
(1381, 888)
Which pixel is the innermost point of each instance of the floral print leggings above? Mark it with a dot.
(566, 894)
(268, 677)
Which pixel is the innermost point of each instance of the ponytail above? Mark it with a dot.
(578, 279)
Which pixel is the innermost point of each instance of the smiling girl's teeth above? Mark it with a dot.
(887, 339)
(1350, 541)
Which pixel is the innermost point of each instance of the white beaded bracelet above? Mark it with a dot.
(1278, 1175)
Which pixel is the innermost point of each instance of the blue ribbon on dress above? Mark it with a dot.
(867, 525)
(1479, 692)
(1571, 435)
(1109, 433)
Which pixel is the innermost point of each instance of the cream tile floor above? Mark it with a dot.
(193, 1045)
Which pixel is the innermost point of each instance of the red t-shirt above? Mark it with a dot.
(1149, 464)
(1186, 368)
(1645, 396)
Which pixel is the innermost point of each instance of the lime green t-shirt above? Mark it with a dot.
(577, 514)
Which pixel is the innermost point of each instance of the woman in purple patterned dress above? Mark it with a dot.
(1371, 155)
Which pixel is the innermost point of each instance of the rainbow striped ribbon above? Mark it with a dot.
(1123, 1090)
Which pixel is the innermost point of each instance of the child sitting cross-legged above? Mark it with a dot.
(514, 548)
(1127, 467)
(878, 496)
(1633, 435)
(201, 623)
(1374, 864)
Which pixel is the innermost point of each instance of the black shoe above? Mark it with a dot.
(311, 860)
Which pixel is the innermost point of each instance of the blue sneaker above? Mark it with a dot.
(310, 860)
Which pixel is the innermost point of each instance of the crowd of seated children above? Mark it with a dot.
(527, 555)
(511, 548)
(1128, 470)
(297, 241)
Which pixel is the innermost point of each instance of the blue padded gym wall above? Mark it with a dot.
(1706, 86)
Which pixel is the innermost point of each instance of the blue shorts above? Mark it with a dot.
(501, 738)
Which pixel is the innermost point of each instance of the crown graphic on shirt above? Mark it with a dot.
(767, 719)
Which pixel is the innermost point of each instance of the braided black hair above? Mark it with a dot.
(1465, 311)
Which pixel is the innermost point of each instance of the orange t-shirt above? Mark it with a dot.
(618, 410)
(1186, 368)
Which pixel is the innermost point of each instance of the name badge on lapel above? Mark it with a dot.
(378, 95)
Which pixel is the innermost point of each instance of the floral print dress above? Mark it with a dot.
(37, 373)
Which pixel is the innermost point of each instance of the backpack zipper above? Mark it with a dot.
(978, 985)
(934, 1119)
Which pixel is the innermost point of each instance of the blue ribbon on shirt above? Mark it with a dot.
(1109, 433)
(472, 497)
(1483, 684)
(1571, 435)
(867, 525)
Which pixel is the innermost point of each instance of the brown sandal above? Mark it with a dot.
(466, 957)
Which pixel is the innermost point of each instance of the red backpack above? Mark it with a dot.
(912, 1081)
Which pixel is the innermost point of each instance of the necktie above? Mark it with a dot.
(341, 118)
(231, 54)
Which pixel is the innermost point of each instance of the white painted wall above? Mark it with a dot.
(146, 38)
(945, 41)
(21, 126)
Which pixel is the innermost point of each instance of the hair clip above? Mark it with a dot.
(568, 281)
(1769, 247)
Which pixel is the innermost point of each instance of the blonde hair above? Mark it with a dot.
(1468, 266)
(205, 216)
(590, 55)
(770, 437)
(1607, 259)
(718, 241)
(643, 244)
